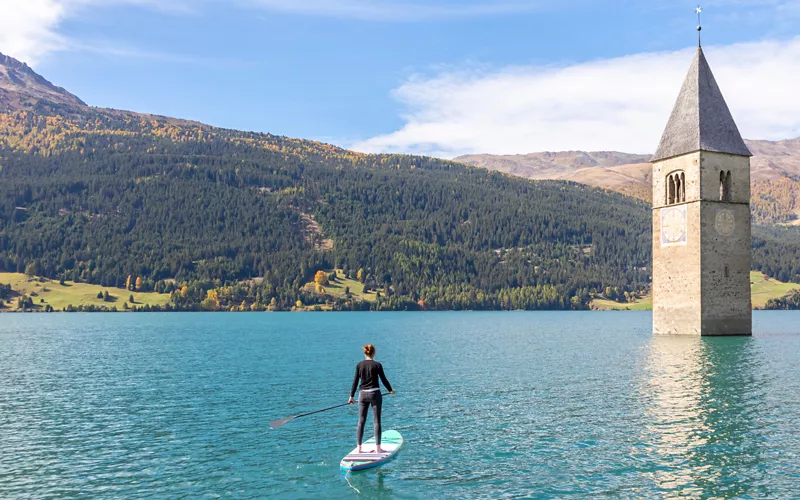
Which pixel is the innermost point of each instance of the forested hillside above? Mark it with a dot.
(223, 219)
(104, 196)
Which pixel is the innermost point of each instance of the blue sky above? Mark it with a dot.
(435, 77)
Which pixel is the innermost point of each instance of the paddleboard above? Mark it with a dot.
(391, 442)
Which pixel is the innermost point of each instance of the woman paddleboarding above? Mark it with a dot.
(369, 372)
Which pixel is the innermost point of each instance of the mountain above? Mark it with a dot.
(624, 173)
(549, 165)
(775, 160)
(224, 219)
(21, 88)
(775, 174)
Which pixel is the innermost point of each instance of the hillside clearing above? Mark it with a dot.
(59, 297)
(643, 304)
(338, 288)
(762, 289)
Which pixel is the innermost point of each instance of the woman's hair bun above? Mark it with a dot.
(369, 350)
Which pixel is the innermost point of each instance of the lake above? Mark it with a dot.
(492, 405)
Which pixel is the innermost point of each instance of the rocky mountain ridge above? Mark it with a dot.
(22, 88)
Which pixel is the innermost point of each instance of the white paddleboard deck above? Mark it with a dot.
(391, 442)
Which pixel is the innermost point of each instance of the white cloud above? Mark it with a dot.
(26, 28)
(29, 28)
(616, 104)
(394, 10)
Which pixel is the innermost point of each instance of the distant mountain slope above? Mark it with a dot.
(775, 174)
(551, 165)
(223, 217)
(238, 220)
(22, 88)
(775, 160)
(99, 198)
(631, 180)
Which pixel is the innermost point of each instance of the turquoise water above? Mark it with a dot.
(492, 405)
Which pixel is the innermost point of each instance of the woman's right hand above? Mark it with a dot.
(350, 401)
(391, 392)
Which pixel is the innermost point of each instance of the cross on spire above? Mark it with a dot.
(699, 10)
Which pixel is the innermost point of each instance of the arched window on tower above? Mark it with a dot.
(683, 187)
(725, 186)
(675, 187)
(728, 187)
(670, 190)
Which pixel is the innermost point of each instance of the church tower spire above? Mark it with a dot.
(700, 120)
(701, 215)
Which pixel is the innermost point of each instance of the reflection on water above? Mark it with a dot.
(705, 398)
(371, 481)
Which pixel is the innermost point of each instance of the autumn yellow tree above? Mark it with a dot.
(139, 283)
(321, 278)
(360, 275)
(128, 283)
(184, 291)
(211, 302)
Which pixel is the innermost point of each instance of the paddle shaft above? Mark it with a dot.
(278, 423)
(320, 411)
(331, 408)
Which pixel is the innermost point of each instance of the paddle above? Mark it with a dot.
(279, 423)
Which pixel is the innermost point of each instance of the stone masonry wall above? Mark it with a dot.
(676, 269)
(691, 292)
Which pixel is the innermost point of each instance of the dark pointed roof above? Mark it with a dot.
(700, 119)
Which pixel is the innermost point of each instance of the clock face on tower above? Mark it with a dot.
(673, 226)
(724, 222)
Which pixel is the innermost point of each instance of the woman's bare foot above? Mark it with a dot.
(358, 449)
(379, 450)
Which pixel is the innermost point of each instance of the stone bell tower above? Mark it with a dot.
(701, 215)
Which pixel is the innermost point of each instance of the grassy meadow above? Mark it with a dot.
(762, 290)
(46, 292)
(643, 304)
(338, 288)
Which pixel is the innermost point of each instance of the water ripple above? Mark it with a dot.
(493, 405)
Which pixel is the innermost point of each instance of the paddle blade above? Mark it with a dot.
(278, 423)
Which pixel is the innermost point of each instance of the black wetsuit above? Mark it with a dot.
(369, 373)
